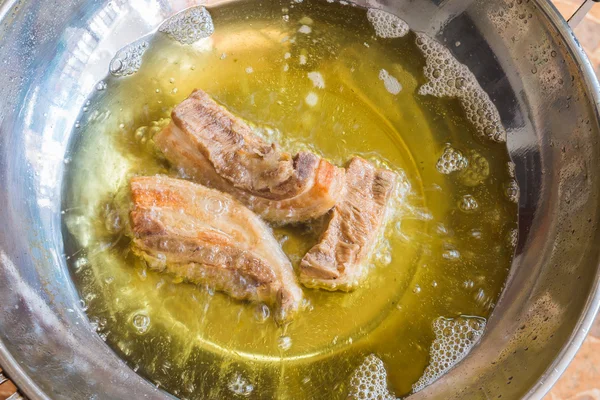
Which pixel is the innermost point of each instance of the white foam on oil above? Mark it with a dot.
(141, 321)
(189, 26)
(305, 29)
(468, 204)
(312, 99)
(128, 60)
(477, 171)
(512, 191)
(512, 238)
(317, 79)
(510, 167)
(391, 83)
(451, 160)
(454, 338)
(240, 386)
(369, 381)
(387, 25)
(449, 78)
(284, 343)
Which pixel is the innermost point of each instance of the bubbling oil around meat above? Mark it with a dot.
(337, 80)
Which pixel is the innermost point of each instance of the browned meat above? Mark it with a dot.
(337, 262)
(207, 143)
(208, 238)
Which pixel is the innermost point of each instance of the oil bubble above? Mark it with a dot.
(262, 313)
(141, 132)
(284, 343)
(141, 322)
(451, 254)
(109, 279)
(189, 26)
(305, 29)
(387, 25)
(511, 191)
(451, 160)
(512, 238)
(317, 79)
(476, 234)
(511, 169)
(312, 99)
(477, 171)
(449, 78)
(128, 60)
(214, 205)
(240, 386)
(369, 381)
(454, 338)
(391, 83)
(80, 264)
(468, 204)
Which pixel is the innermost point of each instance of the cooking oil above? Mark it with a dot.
(340, 81)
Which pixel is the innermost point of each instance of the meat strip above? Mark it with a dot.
(209, 238)
(338, 260)
(210, 145)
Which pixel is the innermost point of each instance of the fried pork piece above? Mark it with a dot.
(215, 148)
(209, 238)
(338, 260)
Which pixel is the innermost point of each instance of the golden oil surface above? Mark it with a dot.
(308, 75)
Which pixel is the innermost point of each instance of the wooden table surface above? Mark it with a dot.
(581, 381)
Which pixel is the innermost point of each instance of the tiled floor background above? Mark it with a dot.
(581, 381)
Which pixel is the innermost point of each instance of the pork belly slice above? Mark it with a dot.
(338, 261)
(208, 238)
(215, 148)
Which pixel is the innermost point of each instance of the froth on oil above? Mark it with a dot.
(128, 60)
(449, 78)
(454, 339)
(387, 25)
(189, 26)
(390, 82)
(369, 381)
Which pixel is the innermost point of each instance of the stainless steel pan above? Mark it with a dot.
(52, 53)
